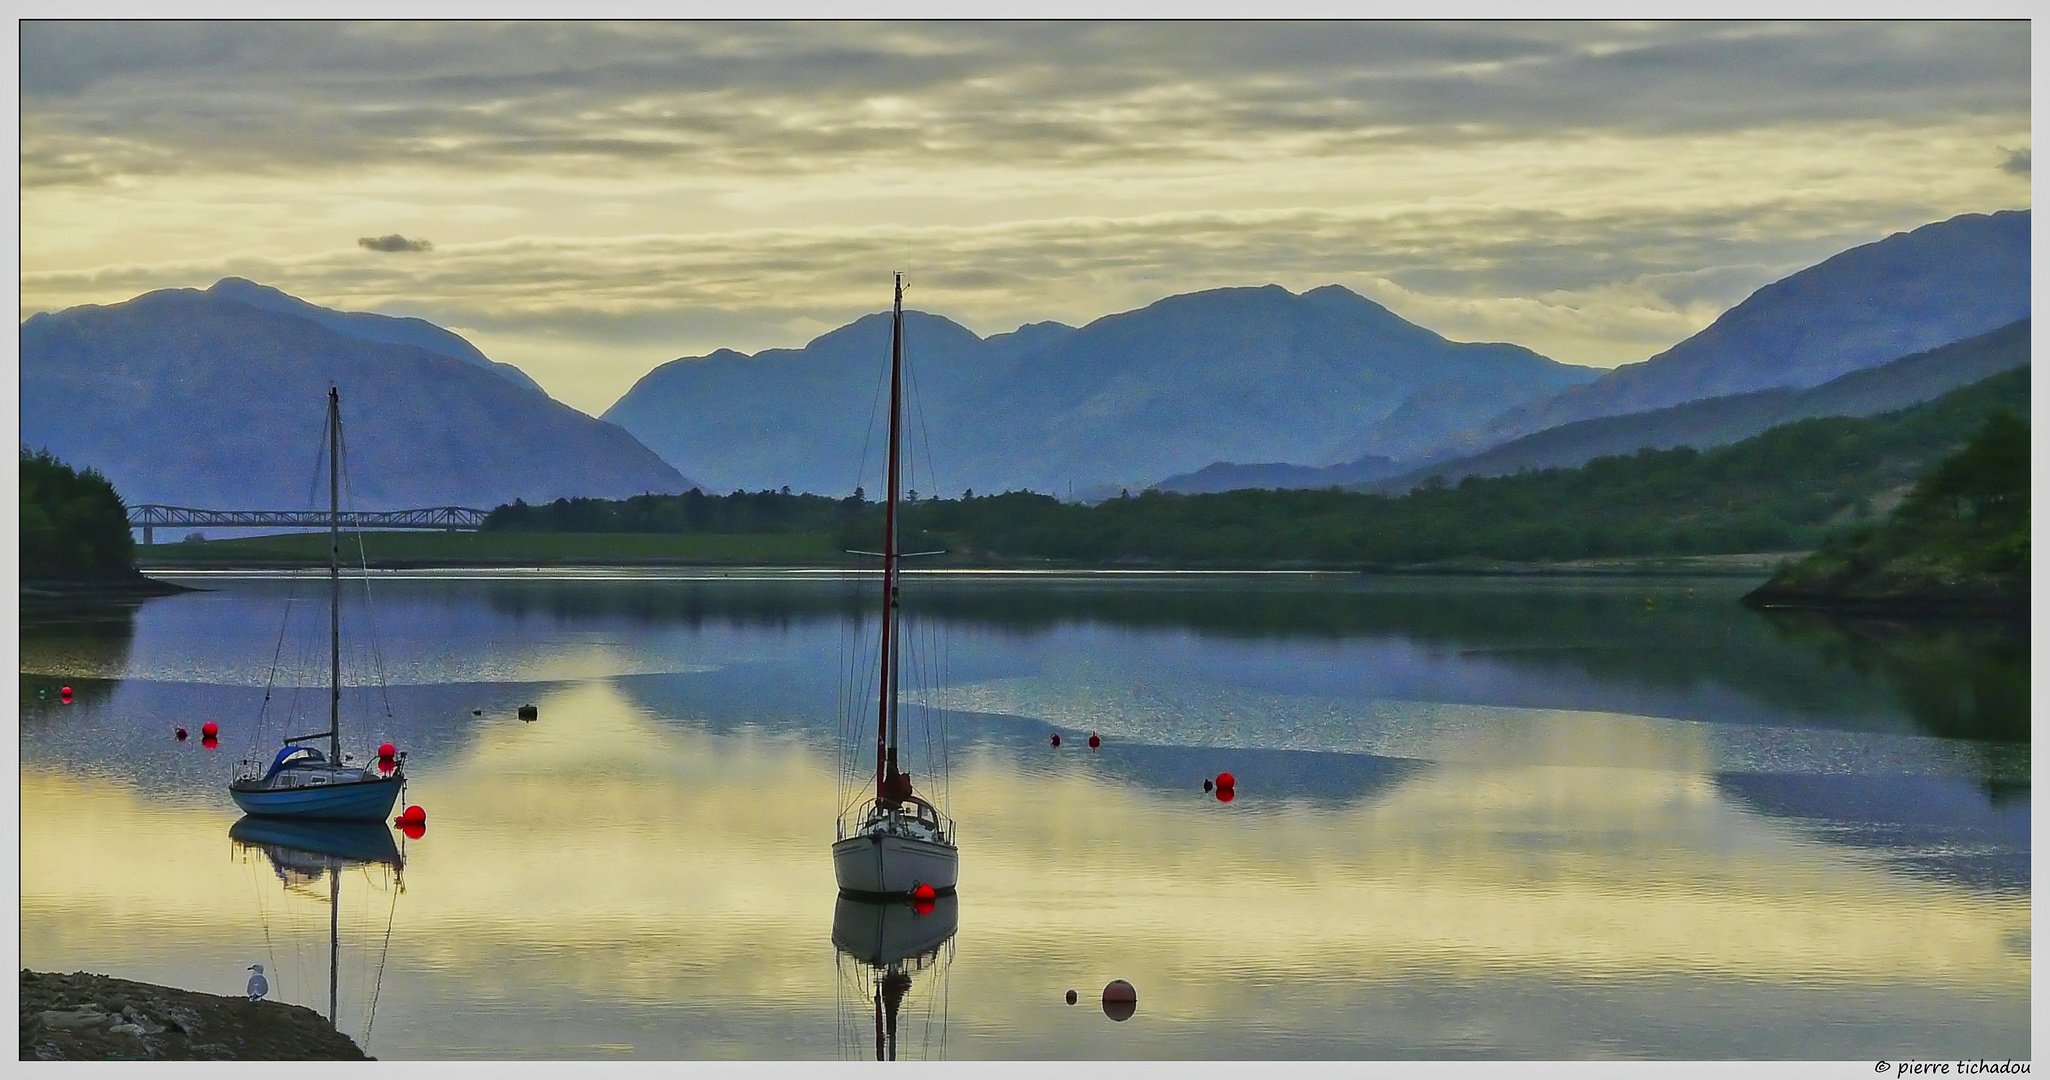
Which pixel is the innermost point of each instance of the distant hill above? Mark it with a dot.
(1253, 374)
(1723, 420)
(1911, 291)
(1227, 476)
(200, 399)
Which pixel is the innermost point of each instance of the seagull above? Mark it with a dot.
(258, 985)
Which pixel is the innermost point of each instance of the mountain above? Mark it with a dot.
(369, 326)
(1911, 291)
(1245, 374)
(1722, 420)
(199, 399)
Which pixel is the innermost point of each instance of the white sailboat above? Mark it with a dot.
(896, 844)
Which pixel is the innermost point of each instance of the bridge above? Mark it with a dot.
(151, 517)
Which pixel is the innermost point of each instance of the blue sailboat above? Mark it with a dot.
(302, 782)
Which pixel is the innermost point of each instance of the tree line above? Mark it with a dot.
(1784, 489)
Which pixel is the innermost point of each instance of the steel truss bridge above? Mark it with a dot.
(151, 517)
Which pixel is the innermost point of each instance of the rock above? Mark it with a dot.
(87, 1017)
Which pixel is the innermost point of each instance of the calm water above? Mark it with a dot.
(1473, 818)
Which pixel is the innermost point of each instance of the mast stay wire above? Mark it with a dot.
(363, 560)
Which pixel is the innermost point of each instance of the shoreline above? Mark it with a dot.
(1756, 565)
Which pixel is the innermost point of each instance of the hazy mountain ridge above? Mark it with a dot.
(189, 397)
(1259, 372)
(1867, 305)
(1723, 420)
(370, 326)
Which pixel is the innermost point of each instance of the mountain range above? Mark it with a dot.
(215, 398)
(1259, 372)
(1863, 307)
(211, 398)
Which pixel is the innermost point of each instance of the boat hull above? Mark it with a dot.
(881, 934)
(367, 800)
(882, 864)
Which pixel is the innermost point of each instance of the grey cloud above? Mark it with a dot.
(2017, 162)
(392, 242)
(99, 99)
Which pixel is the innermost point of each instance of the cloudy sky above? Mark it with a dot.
(590, 200)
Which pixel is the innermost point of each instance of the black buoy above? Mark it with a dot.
(1072, 997)
(1206, 784)
(1056, 740)
(1120, 1000)
(530, 712)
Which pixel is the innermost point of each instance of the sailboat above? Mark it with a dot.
(891, 944)
(302, 782)
(897, 844)
(301, 851)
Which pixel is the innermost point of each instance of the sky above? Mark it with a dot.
(591, 200)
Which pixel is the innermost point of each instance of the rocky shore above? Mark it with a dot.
(87, 1017)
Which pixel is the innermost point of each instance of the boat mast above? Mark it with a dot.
(887, 783)
(334, 574)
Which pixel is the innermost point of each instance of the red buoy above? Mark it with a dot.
(923, 907)
(414, 830)
(64, 696)
(1225, 780)
(209, 729)
(209, 742)
(65, 691)
(1225, 794)
(1056, 740)
(923, 892)
(386, 751)
(1094, 742)
(386, 765)
(181, 734)
(414, 815)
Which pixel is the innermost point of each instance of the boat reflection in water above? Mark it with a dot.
(302, 852)
(893, 960)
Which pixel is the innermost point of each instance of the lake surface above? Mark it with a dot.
(1473, 817)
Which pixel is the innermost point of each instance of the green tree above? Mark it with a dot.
(74, 526)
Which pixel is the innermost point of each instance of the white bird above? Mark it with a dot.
(258, 985)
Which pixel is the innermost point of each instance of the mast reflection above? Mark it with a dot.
(894, 955)
(302, 852)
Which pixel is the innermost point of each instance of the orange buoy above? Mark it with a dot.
(1120, 1000)
(209, 729)
(1094, 742)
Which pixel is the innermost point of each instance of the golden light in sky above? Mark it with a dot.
(596, 199)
